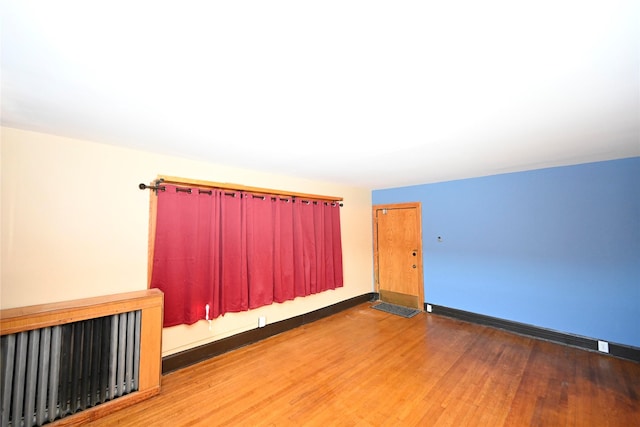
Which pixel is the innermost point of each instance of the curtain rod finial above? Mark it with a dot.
(155, 188)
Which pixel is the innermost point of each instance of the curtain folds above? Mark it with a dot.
(236, 251)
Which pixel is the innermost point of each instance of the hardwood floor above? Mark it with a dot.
(363, 367)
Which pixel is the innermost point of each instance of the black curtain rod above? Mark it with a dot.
(150, 187)
(155, 188)
(158, 187)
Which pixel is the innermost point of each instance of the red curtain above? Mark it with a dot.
(236, 251)
(186, 255)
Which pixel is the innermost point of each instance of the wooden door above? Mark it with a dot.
(397, 243)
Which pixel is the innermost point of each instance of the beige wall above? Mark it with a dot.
(75, 225)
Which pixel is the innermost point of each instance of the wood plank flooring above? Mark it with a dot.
(364, 367)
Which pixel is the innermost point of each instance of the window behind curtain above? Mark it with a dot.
(235, 251)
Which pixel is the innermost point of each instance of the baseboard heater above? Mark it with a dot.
(67, 363)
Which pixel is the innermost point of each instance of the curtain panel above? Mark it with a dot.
(234, 251)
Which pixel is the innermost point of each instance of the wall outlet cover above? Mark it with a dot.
(603, 346)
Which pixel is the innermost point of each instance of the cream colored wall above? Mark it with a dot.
(75, 225)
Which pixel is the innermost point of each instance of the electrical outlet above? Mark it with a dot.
(262, 321)
(428, 308)
(603, 346)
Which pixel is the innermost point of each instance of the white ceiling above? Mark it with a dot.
(369, 93)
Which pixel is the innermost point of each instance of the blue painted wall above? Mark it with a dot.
(557, 248)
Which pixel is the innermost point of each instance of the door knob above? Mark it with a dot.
(414, 266)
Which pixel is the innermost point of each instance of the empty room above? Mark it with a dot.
(320, 213)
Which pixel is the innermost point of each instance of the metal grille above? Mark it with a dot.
(54, 372)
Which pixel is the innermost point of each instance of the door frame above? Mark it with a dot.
(409, 205)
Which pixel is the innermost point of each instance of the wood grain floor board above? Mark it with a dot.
(364, 367)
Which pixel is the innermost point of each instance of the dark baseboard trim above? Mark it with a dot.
(591, 344)
(194, 355)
